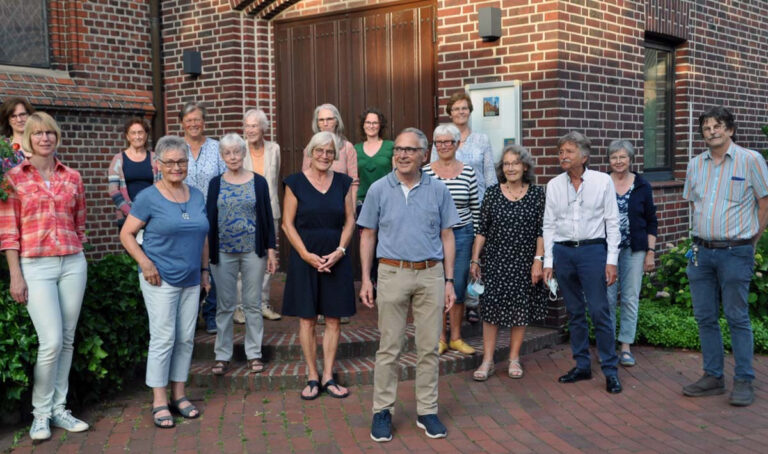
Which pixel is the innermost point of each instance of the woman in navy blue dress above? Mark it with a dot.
(318, 220)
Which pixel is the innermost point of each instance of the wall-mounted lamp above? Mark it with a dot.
(193, 63)
(489, 23)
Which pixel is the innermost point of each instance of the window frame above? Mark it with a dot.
(48, 63)
(666, 172)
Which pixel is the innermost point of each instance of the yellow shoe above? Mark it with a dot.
(461, 346)
(442, 347)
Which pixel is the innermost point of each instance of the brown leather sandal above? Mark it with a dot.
(220, 368)
(256, 366)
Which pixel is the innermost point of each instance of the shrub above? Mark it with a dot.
(110, 342)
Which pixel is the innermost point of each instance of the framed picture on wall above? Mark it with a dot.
(497, 112)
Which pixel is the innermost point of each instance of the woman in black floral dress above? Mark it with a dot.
(509, 236)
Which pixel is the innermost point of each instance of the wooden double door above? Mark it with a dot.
(381, 57)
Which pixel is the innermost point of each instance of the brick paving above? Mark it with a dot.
(535, 414)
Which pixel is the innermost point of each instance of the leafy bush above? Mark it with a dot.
(110, 342)
(663, 325)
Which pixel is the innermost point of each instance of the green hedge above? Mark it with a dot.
(110, 343)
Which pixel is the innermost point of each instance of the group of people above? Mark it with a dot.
(197, 214)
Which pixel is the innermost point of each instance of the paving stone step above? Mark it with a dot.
(355, 371)
(283, 345)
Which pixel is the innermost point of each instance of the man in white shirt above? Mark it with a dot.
(581, 245)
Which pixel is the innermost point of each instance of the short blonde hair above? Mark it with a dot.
(39, 121)
(322, 138)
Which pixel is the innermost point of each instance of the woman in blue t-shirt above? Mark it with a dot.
(173, 265)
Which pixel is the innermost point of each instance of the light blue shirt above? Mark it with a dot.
(173, 243)
(207, 165)
(408, 228)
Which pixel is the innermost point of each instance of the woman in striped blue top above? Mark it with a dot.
(462, 184)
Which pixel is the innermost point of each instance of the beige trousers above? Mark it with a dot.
(424, 290)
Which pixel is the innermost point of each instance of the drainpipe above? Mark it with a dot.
(158, 96)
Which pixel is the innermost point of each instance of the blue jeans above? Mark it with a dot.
(209, 305)
(56, 286)
(464, 237)
(580, 272)
(630, 279)
(723, 275)
(172, 313)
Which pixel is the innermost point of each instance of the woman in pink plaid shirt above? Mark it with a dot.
(42, 230)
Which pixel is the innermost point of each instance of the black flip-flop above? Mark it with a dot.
(313, 384)
(159, 420)
(332, 393)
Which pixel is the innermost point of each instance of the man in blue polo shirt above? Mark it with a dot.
(412, 215)
(728, 186)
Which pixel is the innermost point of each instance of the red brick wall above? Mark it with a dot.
(100, 75)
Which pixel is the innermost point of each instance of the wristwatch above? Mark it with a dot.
(538, 257)
(449, 279)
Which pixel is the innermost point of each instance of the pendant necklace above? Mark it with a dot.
(183, 207)
(519, 195)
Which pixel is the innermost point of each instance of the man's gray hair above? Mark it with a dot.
(578, 139)
(191, 107)
(260, 117)
(339, 123)
(447, 129)
(621, 144)
(232, 141)
(169, 143)
(322, 138)
(423, 141)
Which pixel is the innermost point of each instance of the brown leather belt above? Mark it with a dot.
(724, 244)
(412, 265)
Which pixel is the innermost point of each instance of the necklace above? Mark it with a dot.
(183, 207)
(516, 196)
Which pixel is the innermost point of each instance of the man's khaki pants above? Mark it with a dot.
(399, 288)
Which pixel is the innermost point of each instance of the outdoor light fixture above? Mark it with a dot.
(489, 23)
(193, 63)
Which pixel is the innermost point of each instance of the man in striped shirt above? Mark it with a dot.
(728, 186)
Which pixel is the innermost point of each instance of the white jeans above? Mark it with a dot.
(172, 314)
(56, 286)
(251, 267)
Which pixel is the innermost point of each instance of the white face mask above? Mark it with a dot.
(552, 284)
(475, 288)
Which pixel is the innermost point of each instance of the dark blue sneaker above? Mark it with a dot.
(210, 326)
(432, 426)
(381, 428)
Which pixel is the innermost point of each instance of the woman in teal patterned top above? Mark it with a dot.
(241, 241)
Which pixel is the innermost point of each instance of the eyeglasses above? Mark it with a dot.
(619, 157)
(40, 134)
(193, 121)
(21, 116)
(181, 164)
(406, 150)
(371, 123)
(444, 143)
(326, 120)
(509, 165)
(249, 126)
(460, 109)
(324, 152)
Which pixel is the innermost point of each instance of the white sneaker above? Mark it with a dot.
(41, 429)
(239, 316)
(268, 313)
(66, 421)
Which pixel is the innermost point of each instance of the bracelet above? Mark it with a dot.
(205, 269)
(342, 249)
(476, 262)
(650, 249)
